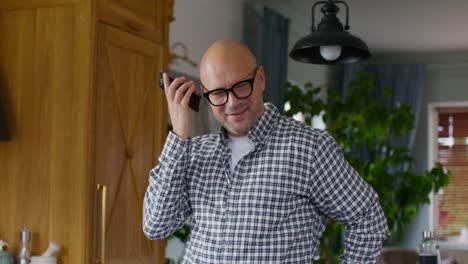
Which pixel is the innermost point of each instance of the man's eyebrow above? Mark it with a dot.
(246, 77)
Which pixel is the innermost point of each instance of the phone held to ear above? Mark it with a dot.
(194, 102)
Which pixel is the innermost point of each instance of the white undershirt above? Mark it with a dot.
(240, 146)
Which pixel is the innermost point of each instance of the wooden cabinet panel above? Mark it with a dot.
(126, 121)
(141, 17)
(28, 4)
(82, 108)
(43, 167)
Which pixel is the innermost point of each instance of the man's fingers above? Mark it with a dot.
(181, 91)
(186, 98)
(171, 87)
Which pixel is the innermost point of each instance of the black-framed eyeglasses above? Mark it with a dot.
(240, 90)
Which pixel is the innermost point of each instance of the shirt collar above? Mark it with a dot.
(261, 130)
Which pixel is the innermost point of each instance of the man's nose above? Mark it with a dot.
(232, 100)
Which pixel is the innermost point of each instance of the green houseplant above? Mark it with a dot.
(360, 121)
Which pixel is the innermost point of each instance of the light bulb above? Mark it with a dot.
(330, 53)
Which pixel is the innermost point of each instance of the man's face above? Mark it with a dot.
(237, 116)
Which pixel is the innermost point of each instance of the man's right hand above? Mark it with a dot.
(178, 96)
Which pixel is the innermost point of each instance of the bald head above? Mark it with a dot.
(226, 56)
(229, 65)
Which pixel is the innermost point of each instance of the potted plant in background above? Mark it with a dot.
(362, 123)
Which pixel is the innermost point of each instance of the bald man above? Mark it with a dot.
(260, 190)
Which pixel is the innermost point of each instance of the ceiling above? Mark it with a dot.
(392, 25)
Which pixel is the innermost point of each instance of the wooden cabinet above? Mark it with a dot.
(78, 80)
(144, 18)
(127, 122)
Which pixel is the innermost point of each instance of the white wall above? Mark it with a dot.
(199, 23)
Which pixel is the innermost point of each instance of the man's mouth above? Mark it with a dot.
(238, 113)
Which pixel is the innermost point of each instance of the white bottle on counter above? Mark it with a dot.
(43, 260)
(46, 257)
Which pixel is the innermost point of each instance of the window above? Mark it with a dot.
(451, 203)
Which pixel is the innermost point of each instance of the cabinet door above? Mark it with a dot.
(130, 129)
(44, 87)
(142, 17)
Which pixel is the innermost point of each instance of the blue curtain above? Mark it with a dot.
(406, 82)
(266, 34)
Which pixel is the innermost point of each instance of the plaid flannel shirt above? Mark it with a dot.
(273, 208)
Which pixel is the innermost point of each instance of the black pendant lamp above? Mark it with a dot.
(330, 43)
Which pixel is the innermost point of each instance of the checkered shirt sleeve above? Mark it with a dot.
(339, 192)
(166, 205)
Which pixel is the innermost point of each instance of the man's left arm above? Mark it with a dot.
(340, 193)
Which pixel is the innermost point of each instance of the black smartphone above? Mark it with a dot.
(195, 98)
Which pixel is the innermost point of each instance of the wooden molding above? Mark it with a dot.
(22, 4)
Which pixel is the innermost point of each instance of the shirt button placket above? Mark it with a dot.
(228, 226)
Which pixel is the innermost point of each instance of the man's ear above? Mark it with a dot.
(261, 75)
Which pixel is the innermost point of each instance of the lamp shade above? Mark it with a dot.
(330, 44)
(307, 49)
